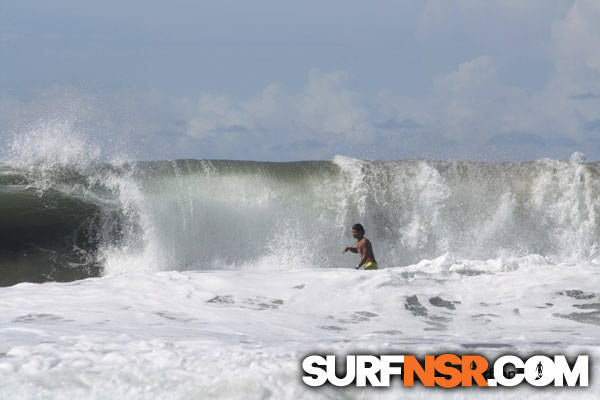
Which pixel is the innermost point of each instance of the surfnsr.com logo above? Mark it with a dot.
(445, 370)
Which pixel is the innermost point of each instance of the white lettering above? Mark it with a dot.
(308, 365)
(580, 370)
(499, 377)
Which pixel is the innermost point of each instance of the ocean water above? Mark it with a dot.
(213, 279)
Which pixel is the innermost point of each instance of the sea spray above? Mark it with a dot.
(202, 214)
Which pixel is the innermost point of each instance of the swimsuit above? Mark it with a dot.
(371, 265)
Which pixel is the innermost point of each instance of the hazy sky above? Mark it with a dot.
(273, 80)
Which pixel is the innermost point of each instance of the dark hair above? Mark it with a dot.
(358, 227)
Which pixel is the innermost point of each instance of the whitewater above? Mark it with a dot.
(213, 279)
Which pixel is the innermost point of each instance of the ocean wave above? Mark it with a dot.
(64, 222)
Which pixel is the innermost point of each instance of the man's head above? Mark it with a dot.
(358, 231)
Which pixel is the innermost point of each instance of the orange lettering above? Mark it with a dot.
(473, 367)
(412, 366)
(453, 372)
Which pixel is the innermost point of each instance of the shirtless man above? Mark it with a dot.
(367, 258)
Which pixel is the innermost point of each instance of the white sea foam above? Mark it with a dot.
(241, 334)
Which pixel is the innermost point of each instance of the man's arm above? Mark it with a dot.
(363, 253)
(350, 249)
(362, 261)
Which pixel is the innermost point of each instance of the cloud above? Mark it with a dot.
(577, 70)
(470, 103)
(583, 96)
(233, 129)
(470, 77)
(326, 106)
(473, 104)
(212, 114)
(325, 111)
(518, 138)
(273, 124)
(267, 104)
(577, 40)
(469, 110)
(395, 125)
(593, 126)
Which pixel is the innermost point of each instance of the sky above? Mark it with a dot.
(280, 81)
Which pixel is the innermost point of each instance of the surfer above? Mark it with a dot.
(367, 258)
(539, 370)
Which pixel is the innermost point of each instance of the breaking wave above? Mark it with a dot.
(64, 220)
